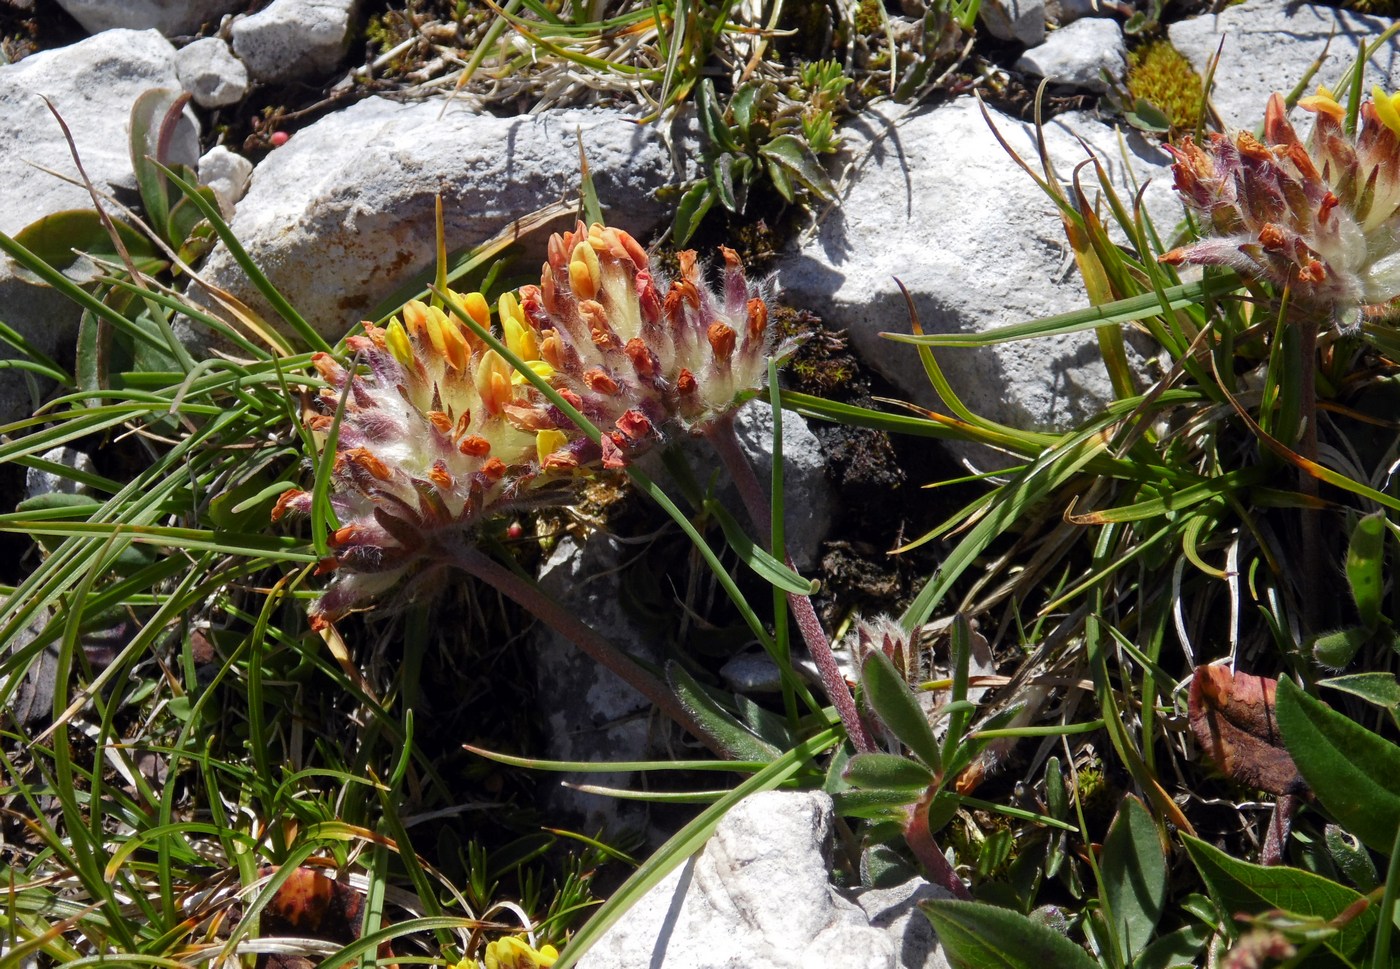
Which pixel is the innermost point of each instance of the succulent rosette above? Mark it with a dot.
(1319, 217)
(438, 431)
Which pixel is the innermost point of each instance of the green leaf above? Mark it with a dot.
(794, 156)
(60, 504)
(1181, 948)
(1134, 877)
(1382, 689)
(1354, 772)
(54, 237)
(893, 702)
(1365, 556)
(738, 741)
(1088, 318)
(978, 936)
(1238, 886)
(151, 121)
(764, 565)
(888, 772)
(722, 178)
(781, 183)
(882, 805)
(1146, 116)
(1351, 858)
(185, 216)
(712, 119)
(691, 211)
(741, 108)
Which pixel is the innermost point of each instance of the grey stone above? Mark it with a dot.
(210, 72)
(31, 703)
(170, 17)
(1020, 20)
(896, 910)
(755, 672)
(37, 482)
(808, 503)
(93, 85)
(759, 894)
(592, 715)
(1269, 46)
(227, 174)
(935, 201)
(292, 38)
(342, 214)
(1078, 55)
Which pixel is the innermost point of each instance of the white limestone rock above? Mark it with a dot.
(1020, 20)
(342, 214)
(227, 174)
(209, 71)
(93, 85)
(292, 38)
(759, 894)
(39, 482)
(170, 17)
(935, 201)
(1269, 47)
(1079, 54)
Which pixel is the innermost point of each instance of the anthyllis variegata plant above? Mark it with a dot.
(439, 432)
(1318, 216)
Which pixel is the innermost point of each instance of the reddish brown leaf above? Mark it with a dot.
(311, 905)
(1232, 716)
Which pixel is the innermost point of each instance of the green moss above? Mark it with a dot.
(1379, 8)
(869, 18)
(1159, 73)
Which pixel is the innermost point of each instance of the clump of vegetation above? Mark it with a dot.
(1019, 732)
(1376, 8)
(1161, 77)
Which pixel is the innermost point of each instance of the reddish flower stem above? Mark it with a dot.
(726, 443)
(925, 849)
(534, 601)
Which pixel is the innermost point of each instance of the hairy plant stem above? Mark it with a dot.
(726, 443)
(534, 601)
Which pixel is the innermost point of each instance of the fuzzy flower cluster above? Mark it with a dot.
(438, 431)
(1319, 216)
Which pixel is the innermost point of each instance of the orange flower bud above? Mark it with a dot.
(598, 380)
(474, 445)
(721, 337)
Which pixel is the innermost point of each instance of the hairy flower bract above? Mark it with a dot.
(437, 431)
(1319, 217)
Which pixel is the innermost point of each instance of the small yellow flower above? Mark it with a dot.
(514, 953)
